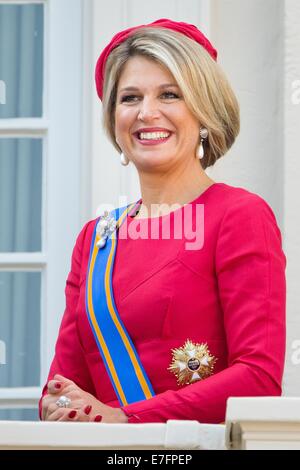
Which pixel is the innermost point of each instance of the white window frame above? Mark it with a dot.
(60, 129)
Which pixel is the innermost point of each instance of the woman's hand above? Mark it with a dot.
(83, 407)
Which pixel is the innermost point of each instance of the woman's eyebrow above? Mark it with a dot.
(164, 85)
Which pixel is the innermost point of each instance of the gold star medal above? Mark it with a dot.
(192, 362)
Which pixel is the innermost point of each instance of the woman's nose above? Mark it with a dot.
(148, 110)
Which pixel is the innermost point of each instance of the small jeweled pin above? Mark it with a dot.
(105, 228)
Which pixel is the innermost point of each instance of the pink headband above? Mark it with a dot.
(188, 30)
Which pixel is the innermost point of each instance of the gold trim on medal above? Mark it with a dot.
(192, 362)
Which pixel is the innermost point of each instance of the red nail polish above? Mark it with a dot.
(72, 414)
(57, 385)
(98, 418)
(87, 409)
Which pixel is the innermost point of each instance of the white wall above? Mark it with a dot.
(291, 156)
(249, 38)
(258, 43)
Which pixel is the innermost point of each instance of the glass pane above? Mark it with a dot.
(20, 327)
(20, 195)
(21, 60)
(19, 415)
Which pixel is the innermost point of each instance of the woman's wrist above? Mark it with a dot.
(107, 414)
(121, 416)
(131, 418)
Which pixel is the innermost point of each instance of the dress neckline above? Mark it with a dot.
(134, 211)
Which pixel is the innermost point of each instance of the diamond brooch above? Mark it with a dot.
(105, 228)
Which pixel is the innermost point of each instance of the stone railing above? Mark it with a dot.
(263, 423)
(251, 423)
(172, 435)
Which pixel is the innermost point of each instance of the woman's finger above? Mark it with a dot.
(56, 415)
(52, 408)
(69, 415)
(76, 415)
(55, 387)
(69, 390)
(62, 379)
(59, 383)
(46, 401)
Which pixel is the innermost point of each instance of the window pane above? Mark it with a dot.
(20, 304)
(20, 195)
(21, 60)
(19, 415)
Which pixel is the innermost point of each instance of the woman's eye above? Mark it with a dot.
(132, 98)
(127, 98)
(170, 94)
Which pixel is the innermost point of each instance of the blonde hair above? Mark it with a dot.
(205, 88)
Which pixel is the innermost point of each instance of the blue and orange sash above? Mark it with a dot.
(119, 355)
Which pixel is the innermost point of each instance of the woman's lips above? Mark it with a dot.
(152, 141)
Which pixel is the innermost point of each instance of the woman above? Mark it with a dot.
(168, 327)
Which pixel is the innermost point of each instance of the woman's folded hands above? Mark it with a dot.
(65, 401)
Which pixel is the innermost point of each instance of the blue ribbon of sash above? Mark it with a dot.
(119, 355)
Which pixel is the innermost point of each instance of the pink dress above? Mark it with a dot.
(228, 292)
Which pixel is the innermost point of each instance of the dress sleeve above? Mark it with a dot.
(69, 359)
(250, 271)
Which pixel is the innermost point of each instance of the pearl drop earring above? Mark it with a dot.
(203, 136)
(124, 159)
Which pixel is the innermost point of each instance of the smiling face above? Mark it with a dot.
(153, 125)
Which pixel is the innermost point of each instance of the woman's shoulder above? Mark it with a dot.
(247, 224)
(237, 193)
(84, 238)
(242, 210)
(235, 198)
(87, 230)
